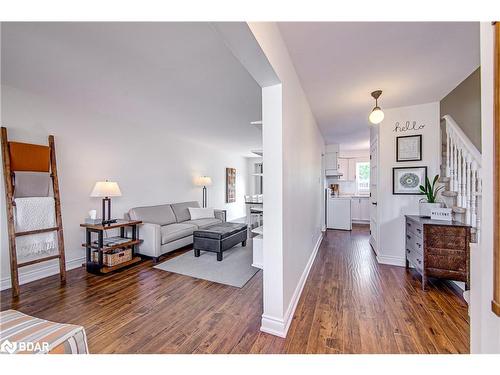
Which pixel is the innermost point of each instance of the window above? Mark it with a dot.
(363, 177)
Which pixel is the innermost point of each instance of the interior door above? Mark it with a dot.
(373, 192)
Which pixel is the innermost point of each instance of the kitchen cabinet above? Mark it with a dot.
(348, 168)
(343, 168)
(331, 163)
(360, 209)
(339, 213)
(365, 209)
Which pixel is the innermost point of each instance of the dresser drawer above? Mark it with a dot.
(413, 242)
(415, 228)
(453, 260)
(445, 241)
(447, 274)
(446, 237)
(415, 258)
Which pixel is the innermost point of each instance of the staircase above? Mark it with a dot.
(461, 166)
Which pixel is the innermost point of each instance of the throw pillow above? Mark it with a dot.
(201, 213)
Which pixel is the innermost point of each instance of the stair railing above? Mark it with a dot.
(463, 167)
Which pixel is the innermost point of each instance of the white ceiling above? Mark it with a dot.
(341, 63)
(164, 77)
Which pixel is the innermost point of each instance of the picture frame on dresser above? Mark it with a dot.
(409, 148)
(495, 302)
(406, 180)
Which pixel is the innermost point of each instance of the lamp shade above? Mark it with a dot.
(106, 189)
(203, 181)
(376, 116)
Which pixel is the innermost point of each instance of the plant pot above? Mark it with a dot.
(425, 208)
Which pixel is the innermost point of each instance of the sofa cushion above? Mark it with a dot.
(203, 223)
(181, 210)
(161, 214)
(176, 231)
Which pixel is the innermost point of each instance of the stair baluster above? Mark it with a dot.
(462, 167)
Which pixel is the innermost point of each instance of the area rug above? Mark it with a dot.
(234, 270)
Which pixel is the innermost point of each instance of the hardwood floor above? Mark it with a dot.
(350, 304)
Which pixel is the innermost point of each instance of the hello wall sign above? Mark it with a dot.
(408, 126)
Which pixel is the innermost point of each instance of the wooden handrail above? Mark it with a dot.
(462, 137)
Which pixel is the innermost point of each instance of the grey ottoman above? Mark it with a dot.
(218, 238)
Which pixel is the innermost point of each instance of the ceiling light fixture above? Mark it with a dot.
(376, 116)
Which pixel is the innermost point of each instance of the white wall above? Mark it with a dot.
(392, 208)
(150, 169)
(485, 326)
(301, 180)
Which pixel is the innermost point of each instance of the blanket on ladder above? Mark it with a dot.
(32, 214)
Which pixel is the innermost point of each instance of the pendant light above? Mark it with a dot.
(376, 116)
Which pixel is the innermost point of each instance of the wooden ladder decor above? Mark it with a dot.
(30, 158)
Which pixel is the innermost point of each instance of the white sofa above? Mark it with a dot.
(168, 227)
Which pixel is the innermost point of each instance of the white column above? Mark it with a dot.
(448, 151)
(473, 207)
(272, 136)
(468, 188)
(478, 203)
(463, 203)
(459, 176)
(455, 165)
(452, 164)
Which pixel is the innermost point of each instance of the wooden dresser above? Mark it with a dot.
(438, 248)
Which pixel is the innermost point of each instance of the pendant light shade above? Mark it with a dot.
(377, 115)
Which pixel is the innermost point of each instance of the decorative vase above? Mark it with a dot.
(425, 208)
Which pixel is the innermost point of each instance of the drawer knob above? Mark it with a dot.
(408, 236)
(419, 230)
(418, 244)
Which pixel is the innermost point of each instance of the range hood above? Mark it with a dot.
(333, 173)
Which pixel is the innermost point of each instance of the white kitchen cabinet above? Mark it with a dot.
(343, 168)
(360, 209)
(348, 168)
(355, 209)
(330, 162)
(339, 213)
(365, 209)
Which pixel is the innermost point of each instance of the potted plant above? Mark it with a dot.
(429, 202)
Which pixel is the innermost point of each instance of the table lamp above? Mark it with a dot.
(106, 190)
(203, 181)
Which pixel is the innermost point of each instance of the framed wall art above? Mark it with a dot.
(230, 185)
(409, 148)
(406, 180)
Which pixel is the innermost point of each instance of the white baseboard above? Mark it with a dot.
(40, 273)
(258, 265)
(391, 260)
(360, 221)
(279, 326)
